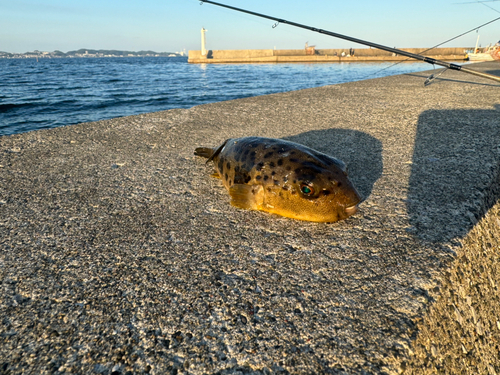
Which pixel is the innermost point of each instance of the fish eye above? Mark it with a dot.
(306, 189)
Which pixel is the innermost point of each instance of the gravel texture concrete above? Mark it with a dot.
(120, 254)
(460, 334)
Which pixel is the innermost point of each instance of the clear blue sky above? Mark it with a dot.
(173, 25)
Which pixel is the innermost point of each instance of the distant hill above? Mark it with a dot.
(85, 52)
(105, 52)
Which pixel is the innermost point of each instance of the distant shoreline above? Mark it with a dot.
(86, 53)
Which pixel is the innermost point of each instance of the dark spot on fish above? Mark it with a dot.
(306, 173)
(339, 184)
(280, 162)
(230, 183)
(313, 167)
(294, 181)
(326, 192)
(311, 164)
(241, 178)
(276, 182)
(270, 153)
(285, 187)
(288, 168)
(280, 194)
(228, 165)
(272, 165)
(245, 168)
(293, 192)
(226, 176)
(237, 168)
(292, 153)
(273, 173)
(266, 177)
(259, 166)
(327, 160)
(221, 165)
(259, 177)
(269, 189)
(293, 160)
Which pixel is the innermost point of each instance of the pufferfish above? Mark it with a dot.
(283, 178)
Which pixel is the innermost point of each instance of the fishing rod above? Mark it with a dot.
(360, 41)
(433, 76)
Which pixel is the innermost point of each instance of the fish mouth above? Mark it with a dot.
(351, 210)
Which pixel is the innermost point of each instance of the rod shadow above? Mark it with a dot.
(443, 78)
(361, 152)
(455, 172)
(495, 72)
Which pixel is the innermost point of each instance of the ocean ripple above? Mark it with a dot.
(58, 92)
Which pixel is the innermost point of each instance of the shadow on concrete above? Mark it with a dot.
(361, 152)
(455, 172)
(495, 72)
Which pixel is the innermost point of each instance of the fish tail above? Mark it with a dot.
(208, 152)
(205, 152)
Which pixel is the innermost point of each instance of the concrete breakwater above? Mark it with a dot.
(120, 254)
(319, 55)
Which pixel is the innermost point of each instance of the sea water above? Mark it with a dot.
(47, 93)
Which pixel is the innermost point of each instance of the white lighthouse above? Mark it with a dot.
(203, 42)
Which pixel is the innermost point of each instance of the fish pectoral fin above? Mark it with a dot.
(249, 197)
(215, 175)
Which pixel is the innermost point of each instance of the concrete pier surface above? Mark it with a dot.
(120, 254)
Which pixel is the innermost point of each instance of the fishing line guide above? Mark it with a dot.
(360, 41)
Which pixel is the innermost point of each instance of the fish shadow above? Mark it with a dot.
(361, 152)
(455, 175)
